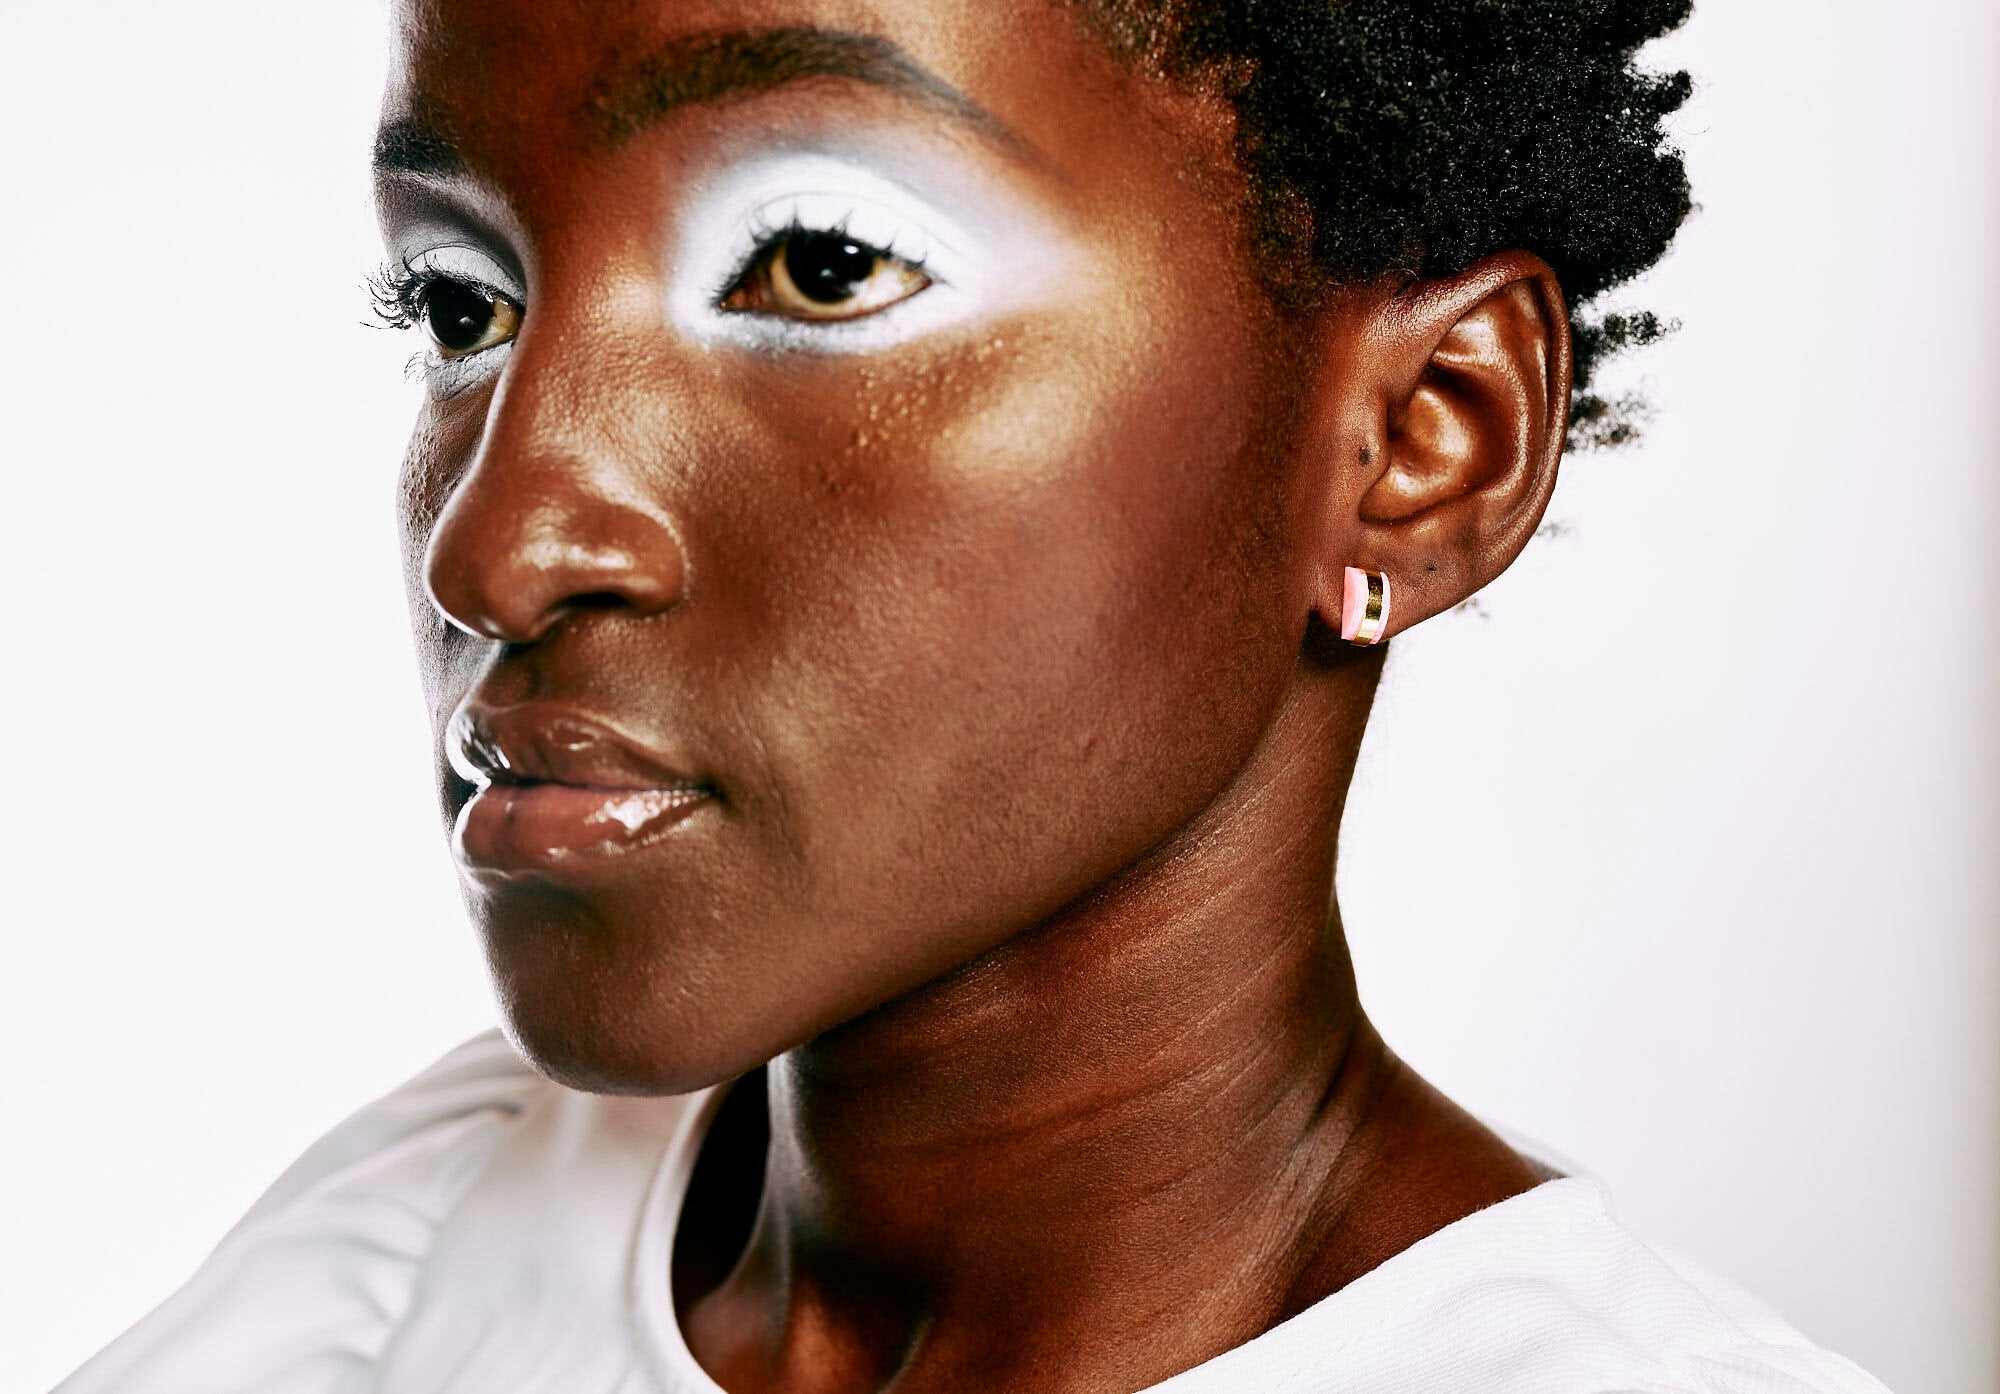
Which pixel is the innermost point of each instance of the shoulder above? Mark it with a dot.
(1755, 1350)
(1544, 1293)
(305, 1292)
(1677, 1327)
(1553, 1285)
(425, 1137)
(1684, 1328)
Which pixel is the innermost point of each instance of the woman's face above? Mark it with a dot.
(848, 519)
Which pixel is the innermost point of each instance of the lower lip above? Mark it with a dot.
(526, 827)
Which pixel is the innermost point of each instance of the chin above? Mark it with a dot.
(593, 1067)
(597, 1051)
(603, 1017)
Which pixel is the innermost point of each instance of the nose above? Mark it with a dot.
(543, 525)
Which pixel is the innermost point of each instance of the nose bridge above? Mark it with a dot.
(554, 512)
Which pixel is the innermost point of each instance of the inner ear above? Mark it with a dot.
(1478, 411)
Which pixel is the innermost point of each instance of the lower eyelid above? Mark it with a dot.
(448, 377)
(902, 322)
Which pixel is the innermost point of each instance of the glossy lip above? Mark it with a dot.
(556, 788)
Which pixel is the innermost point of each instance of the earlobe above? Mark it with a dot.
(1466, 383)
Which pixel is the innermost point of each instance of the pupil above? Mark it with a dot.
(457, 315)
(827, 268)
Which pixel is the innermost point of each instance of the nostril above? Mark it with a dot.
(598, 600)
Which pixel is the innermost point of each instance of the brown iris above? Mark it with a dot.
(824, 276)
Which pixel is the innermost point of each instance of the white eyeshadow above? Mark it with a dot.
(462, 262)
(982, 255)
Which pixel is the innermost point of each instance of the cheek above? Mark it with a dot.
(1048, 619)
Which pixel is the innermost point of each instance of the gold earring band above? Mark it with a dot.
(1364, 613)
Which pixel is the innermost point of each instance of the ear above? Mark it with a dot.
(1452, 405)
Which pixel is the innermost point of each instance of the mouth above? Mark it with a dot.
(554, 788)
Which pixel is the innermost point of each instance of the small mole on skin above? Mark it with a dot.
(1367, 456)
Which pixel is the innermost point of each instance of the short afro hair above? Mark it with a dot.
(1420, 135)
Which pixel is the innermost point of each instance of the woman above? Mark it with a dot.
(908, 505)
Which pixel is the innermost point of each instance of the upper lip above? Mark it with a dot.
(541, 744)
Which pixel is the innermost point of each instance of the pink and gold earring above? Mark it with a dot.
(1364, 612)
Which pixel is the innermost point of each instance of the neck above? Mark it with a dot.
(1131, 1132)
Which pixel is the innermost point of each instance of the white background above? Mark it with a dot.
(1717, 762)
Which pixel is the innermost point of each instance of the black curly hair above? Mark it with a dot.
(1421, 135)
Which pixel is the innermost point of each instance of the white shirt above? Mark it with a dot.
(484, 1231)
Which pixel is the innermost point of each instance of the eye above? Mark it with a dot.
(463, 319)
(804, 274)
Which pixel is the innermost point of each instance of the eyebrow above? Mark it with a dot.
(712, 67)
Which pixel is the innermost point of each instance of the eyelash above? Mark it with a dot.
(396, 292)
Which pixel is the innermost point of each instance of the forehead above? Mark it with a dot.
(484, 73)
